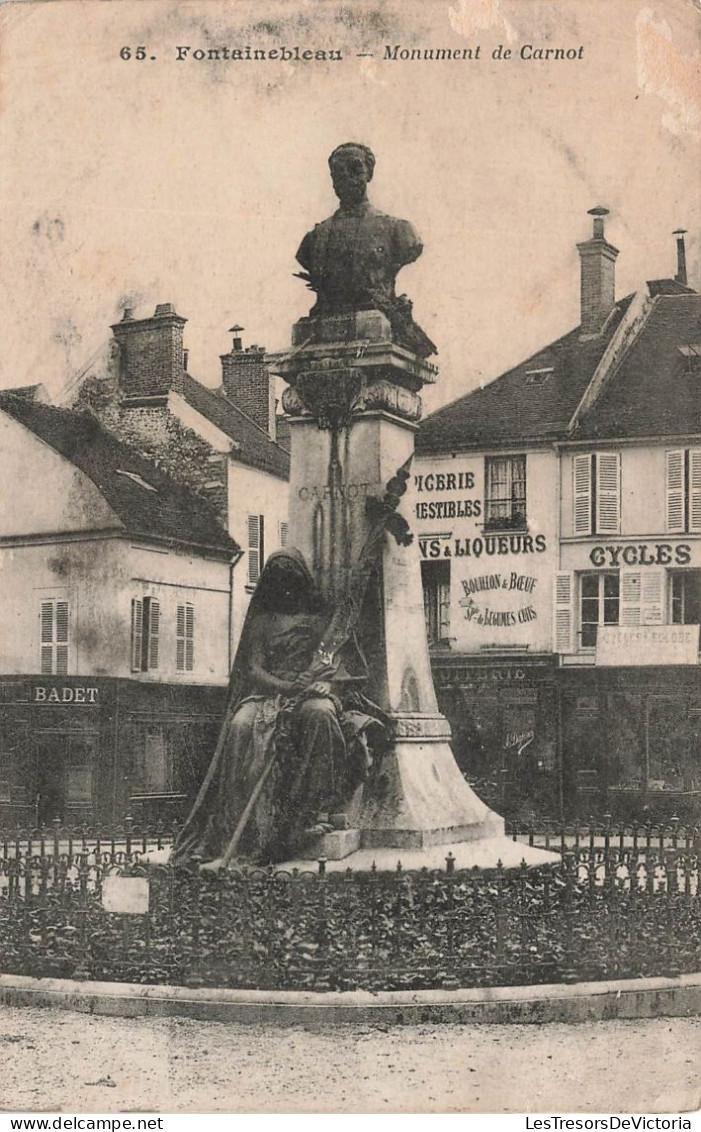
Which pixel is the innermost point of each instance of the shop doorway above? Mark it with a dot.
(63, 779)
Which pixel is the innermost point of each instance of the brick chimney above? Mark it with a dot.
(598, 283)
(151, 354)
(681, 276)
(247, 382)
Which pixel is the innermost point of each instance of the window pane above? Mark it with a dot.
(611, 611)
(610, 585)
(692, 598)
(588, 636)
(590, 609)
(590, 586)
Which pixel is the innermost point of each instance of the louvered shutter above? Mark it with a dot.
(137, 622)
(154, 619)
(563, 614)
(695, 489)
(608, 493)
(631, 597)
(581, 495)
(47, 637)
(61, 638)
(675, 490)
(180, 639)
(189, 637)
(284, 530)
(653, 597)
(255, 547)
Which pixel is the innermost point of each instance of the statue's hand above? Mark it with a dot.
(320, 687)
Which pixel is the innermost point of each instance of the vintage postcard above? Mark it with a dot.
(350, 554)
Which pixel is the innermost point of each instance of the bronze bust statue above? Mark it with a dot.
(352, 259)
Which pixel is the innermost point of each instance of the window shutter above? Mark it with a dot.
(180, 639)
(581, 498)
(61, 638)
(284, 530)
(608, 493)
(189, 637)
(631, 597)
(137, 621)
(675, 490)
(653, 597)
(154, 618)
(695, 489)
(47, 637)
(255, 547)
(563, 613)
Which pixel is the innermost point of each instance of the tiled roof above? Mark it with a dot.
(253, 445)
(656, 389)
(123, 477)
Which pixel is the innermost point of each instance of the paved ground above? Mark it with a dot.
(54, 1060)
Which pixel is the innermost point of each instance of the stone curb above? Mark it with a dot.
(578, 1002)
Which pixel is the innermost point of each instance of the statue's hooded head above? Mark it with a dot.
(352, 166)
(286, 585)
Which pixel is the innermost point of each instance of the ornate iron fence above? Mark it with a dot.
(621, 902)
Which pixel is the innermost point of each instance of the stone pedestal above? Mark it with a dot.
(353, 405)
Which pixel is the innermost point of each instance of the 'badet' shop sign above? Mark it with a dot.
(498, 578)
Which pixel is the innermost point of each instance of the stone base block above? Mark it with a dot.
(358, 326)
(417, 796)
(336, 845)
(490, 827)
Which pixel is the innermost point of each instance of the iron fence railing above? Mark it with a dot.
(620, 902)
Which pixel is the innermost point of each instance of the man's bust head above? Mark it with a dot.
(352, 166)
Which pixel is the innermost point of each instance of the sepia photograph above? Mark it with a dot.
(350, 560)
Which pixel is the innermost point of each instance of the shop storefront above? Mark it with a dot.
(88, 749)
(503, 715)
(632, 741)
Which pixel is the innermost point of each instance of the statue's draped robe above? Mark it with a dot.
(310, 740)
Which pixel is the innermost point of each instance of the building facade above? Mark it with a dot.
(228, 444)
(559, 517)
(114, 627)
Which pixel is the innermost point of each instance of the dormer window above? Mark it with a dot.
(538, 376)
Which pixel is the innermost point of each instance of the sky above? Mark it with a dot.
(146, 181)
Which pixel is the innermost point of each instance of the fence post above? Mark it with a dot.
(82, 971)
(569, 973)
(672, 901)
(450, 980)
(194, 976)
(322, 981)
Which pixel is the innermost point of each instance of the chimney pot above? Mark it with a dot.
(164, 309)
(127, 314)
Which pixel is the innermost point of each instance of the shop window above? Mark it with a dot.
(79, 771)
(505, 493)
(54, 628)
(185, 638)
(599, 604)
(596, 494)
(145, 630)
(154, 763)
(435, 577)
(685, 597)
(683, 490)
(256, 547)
